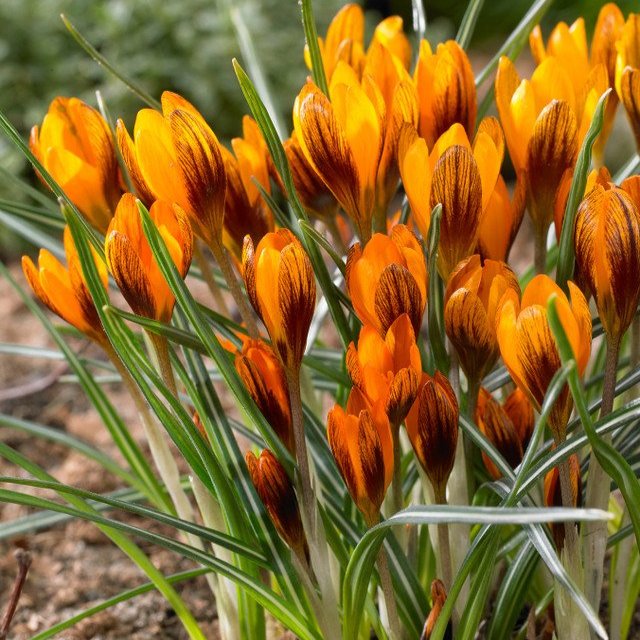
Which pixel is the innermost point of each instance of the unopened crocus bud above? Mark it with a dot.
(279, 498)
(362, 446)
(432, 425)
(175, 156)
(132, 263)
(64, 289)
(628, 71)
(528, 348)
(281, 286)
(607, 241)
(519, 409)
(388, 278)
(75, 146)
(471, 300)
(262, 374)
(494, 422)
(446, 89)
(438, 598)
(553, 494)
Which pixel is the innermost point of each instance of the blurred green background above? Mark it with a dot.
(187, 46)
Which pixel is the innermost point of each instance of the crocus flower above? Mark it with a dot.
(132, 263)
(75, 146)
(64, 290)
(628, 71)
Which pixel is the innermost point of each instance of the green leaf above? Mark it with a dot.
(103, 62)
(611, 461)
(566, 255)
(468, 24)
(311, 233)
(311, 37)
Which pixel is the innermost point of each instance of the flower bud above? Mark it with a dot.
(519, 410)
(175, 156)
(607, 241)
(432, 425)
(132, 263)
(281, 286)
(64, 290)
(528, 348)
(262, 374)
(278, 496)
(363, 449)
(438, 598)
(75, 146)
(553, 494)
(388, 278)
(471, 299)
(389, 369)
(628, 72)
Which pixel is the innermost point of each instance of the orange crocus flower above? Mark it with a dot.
(607, 243)
(553, 494)
(75, 146)
(388, 369)
(281, 286)
(528, 348)
(446, 90)
(361, 442)
(628, 71)
(278, 496)
(262, 374)
(470, 304)
(460, 177)
(132, 263)
(432, 425)
(175, 156)
(64, 290)
(388, 278)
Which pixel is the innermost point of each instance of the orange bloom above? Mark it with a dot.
(432, 425)
(75, 146)
(460, 177)
(553, 494)
(504, 426)
(470, 304)
(245, 211)
(544, 123)
(387, 369)
(628, 71)
(262, 374)
(607, 241)
(64, 290)
(132, 263)
(281, 286)
(446, 90)
(174, 156)
(528, 347)
(388, 278)
(363, 448)
(278, 496)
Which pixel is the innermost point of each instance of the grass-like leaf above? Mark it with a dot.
(311, 37)
(469, 21)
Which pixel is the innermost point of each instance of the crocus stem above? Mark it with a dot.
(619, 580)
(224, 262)
(396, 482)
(161, 348)
(386, 585)
(444, 549)
(209, 278)
(23, 559)
(540, 252)
(599, 488)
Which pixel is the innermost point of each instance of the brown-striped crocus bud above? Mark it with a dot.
(388, 278)
(75, 146)
(132, 263)
(607, 241)
(519, 409)
(494, 422)
(280, 283)
(278, 496)
(432, 425)
(471, 300)
(438, 598)
(363, 449)
(553, 494)
(387, 370)
(262, 374)
(528, 348)
(64, 290)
